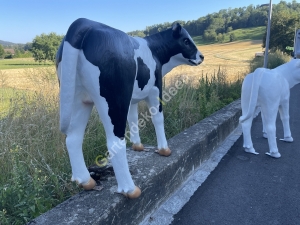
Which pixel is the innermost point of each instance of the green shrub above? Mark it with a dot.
(196, 100)
(275, 59)
(28, 192)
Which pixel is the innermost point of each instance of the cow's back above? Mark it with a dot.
(79, 29)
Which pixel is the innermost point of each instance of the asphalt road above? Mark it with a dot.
(251, 189)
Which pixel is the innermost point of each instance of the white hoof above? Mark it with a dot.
(287, 139)
(265, 135)
(274, 154)
(251, 150)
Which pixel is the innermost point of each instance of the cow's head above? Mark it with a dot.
(185, 45)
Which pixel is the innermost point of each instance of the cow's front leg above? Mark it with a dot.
(75, 133)
(285, 118)
(132, 119)
(157, 118)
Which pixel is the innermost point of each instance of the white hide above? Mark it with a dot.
(268, 90)
(67, 82)
(146, 55)
(174, 61)
(87, 90)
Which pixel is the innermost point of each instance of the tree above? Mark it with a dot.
(210, 35)
(27, 46)
(229, 29)
(138, 33)
(282, 30)
(232, 37)
(44, 47)
(220, 37)
(2, 52)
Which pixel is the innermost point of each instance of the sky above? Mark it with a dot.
(22, 20)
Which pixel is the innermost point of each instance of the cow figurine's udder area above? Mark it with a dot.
(86, 99)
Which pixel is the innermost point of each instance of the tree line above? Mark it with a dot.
(212, 28)
(19, 51)
(226, 20)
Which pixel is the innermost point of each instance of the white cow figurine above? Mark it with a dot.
(102, 66)
(268, 90)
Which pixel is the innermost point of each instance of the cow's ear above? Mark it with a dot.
(176, 28)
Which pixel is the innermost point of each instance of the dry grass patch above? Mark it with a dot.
(31, 79)
(233, 57)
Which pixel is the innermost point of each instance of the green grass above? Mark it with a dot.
(34, 175)
(6, 96)
(19, 63)
(255, 33)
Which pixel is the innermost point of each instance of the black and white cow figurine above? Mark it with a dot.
(102, 66)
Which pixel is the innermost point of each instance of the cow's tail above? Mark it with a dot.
(256, 79)
(67, 76)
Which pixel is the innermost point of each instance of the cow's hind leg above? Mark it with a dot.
(134, 128)
(246, 124)
(270, 114)
(110, 86)
(80, 116)
(248, 144)
(117, 150)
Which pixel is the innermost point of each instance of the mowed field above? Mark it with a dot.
(24, 74)
(233, 58)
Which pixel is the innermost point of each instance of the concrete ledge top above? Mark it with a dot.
(157, 176)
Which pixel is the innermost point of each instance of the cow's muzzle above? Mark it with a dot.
(197, 61)
(194, 62)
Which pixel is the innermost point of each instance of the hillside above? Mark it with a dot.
(217, 27)
(7, 43)
(253, 33)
